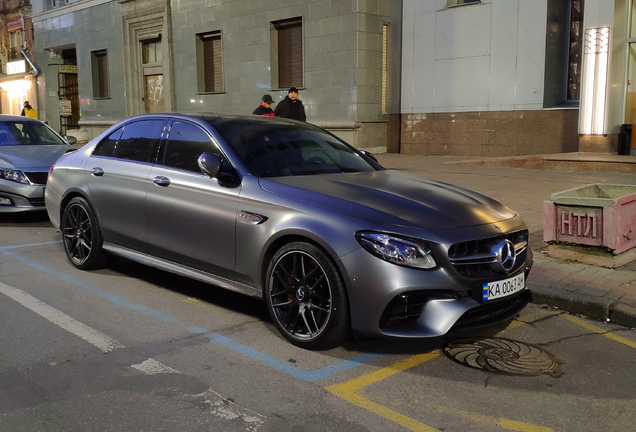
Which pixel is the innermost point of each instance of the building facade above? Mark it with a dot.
(18, 73)
(438, 77)
(107, 60)
(515, 77)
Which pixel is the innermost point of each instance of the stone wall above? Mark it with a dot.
(490, 133)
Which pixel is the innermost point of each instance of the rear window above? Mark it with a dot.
(14, 133)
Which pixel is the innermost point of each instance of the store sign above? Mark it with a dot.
(68, 69)
(65, 108)
(14, 25)
(16, 67)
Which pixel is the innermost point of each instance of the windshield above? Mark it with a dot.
(13, 133)
(279, 149)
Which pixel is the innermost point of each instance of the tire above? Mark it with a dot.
(306, 297)
(81, 235)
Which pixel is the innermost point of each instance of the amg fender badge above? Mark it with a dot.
(251, 218)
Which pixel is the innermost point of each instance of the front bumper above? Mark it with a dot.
(433, 302)
(22, 197)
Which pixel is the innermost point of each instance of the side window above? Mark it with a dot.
(107, 146)
(139, 141)
(184, 146)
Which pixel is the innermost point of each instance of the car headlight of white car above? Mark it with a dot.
(396, 250)
(14, 175)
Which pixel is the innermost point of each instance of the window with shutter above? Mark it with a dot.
(211, 62)
(290, 52)
(99, 63)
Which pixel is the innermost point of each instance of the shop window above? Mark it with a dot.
(99, 63)
(289, 43)
(451, 3)
(210, 62)
(151, 51)
(564, 45)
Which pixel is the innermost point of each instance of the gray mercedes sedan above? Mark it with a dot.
(287, 212)
(28, 148)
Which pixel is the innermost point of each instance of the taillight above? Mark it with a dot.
(51, 169)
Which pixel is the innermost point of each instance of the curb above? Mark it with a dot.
(624, 315)
(594, 307)
(590, 306)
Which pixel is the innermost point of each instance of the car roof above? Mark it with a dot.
(217, 119)
(7, 117)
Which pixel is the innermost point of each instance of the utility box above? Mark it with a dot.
(625, 139)
(595, 215)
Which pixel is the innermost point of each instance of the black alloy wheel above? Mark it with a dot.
(81, 235)
(306, 297)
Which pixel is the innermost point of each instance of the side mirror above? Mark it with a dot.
(210, 164)
(71, 139)
(369, 155)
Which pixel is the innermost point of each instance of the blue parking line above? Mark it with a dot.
(4, 248)
(216, 338)
(316, 375)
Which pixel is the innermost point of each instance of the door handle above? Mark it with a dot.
(97, 172)
(161, 181)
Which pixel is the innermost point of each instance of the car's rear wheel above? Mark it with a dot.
(81, 235)
(306, 297)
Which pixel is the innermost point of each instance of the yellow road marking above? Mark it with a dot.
(373, 377)
(347, 391)
(529, 318)
(488, 420)
(599, 330)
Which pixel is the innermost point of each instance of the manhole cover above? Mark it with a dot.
(503, 356)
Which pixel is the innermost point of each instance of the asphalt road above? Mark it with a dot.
(130, 348)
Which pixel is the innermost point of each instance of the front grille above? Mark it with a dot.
(37, 202)
(474, 259)
(491, 313)
(405, 309)
(37, 177)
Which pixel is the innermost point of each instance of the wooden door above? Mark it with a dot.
(155, 102)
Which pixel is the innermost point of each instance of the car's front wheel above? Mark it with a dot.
(81, 235)
(306, 297)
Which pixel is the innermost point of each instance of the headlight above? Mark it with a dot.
(16, 176)
(397, 250)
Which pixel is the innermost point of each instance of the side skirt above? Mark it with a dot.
(182, 270)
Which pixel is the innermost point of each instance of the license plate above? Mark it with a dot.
(503, 288)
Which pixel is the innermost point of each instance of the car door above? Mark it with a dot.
(118, 173)
(191, 217)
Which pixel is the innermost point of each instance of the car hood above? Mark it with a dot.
(393, 198)
(32, 157)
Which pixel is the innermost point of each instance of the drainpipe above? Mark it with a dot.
(28, 59)
(400, 80)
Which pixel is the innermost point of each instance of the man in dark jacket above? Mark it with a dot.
(265, 108)
(291, 107)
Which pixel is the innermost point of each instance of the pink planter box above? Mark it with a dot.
(593, 215)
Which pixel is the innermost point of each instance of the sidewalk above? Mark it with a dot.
(595, 292)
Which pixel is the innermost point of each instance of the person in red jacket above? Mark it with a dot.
(265, 108)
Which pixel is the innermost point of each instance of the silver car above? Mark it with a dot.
(286, 211)
(28, 148)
